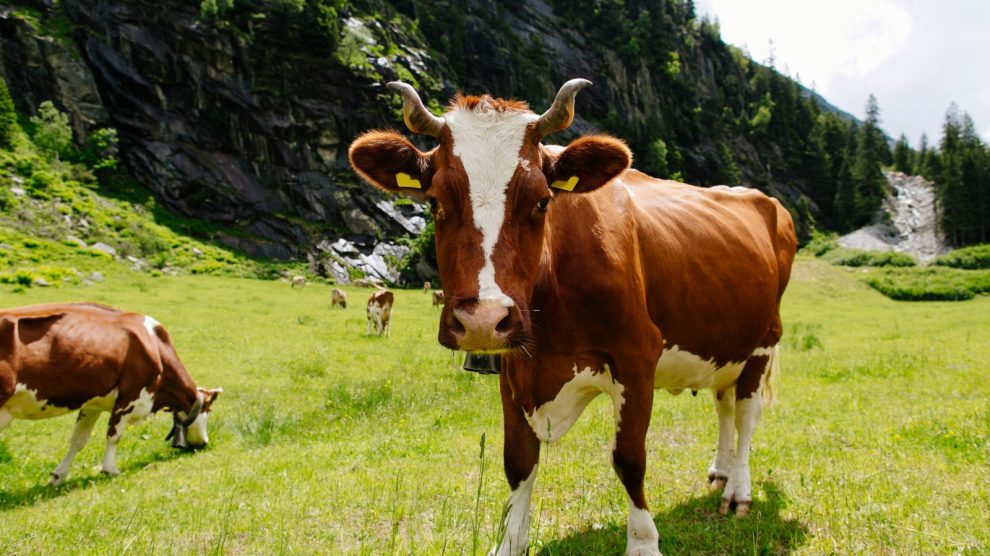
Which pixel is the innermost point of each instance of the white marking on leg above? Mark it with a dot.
(553, 419)
(80, 436)
(488, 142)
(517, 521)
(739, 486)
(721, 466)
(642, 538)
(135, 411)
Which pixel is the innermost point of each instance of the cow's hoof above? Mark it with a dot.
(56, 480)
(112, 472)
(742, 509)
(724, 508)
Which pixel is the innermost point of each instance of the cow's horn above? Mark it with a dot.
(561, 112)
(418, 119)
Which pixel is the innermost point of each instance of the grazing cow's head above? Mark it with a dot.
(189, 429)
(491, 184)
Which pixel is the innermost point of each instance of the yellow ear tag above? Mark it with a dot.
(566, 185)
(405, 180)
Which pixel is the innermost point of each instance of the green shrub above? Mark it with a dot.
(855, 257)
(821, 243)
(930, 284)
(973, 257)
(52, 133)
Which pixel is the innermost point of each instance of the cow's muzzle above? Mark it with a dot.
(178, 432)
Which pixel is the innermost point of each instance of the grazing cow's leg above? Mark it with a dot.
(521, 455)
(5, 418)
(632, 406)
(721, 467)
(122, 415)
(80, 436)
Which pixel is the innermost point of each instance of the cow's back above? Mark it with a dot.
(71, 353)
(708, 265)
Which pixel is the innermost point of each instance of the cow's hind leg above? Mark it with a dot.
(749, 409)
(80, 436)
(721, 467)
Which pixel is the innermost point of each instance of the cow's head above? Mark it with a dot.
(491, 185)
(189, 428)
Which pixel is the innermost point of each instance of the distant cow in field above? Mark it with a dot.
(59, 358)
(438, 298)
(298, 281)
(338, 298)
(380, 312)
(427, 286)
(588, 277)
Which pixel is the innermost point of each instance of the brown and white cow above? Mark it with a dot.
(338, 298)
(531, 238)
(427, 286)
(438, 298)
(380, 312)
(59, 358)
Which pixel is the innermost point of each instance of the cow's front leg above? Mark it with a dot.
(738, 489)
(633, 404)
(521, 455)
(80, 436)
(115, 429)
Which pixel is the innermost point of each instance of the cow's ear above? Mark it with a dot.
(391, 163)
(586, 164)
(210, 395)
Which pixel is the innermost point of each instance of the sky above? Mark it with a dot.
(915, 56)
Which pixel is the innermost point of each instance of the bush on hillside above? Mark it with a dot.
(930, 284)
(973, 257)
(855, 257)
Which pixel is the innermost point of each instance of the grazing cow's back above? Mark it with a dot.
(588, 277)
(59, 358)
(380, 312)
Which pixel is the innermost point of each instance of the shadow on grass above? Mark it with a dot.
(695, 527)
(79, 479)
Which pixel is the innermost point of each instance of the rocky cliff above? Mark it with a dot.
(240, 112)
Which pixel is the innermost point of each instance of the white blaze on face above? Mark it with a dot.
(488, 142)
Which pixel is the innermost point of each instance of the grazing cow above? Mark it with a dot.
(427, 286)
(298, 281)
(59, 358)
(338, 298)
(438, 298)
(531, 238)
(380, 312)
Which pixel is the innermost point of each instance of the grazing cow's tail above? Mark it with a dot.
(771, 375)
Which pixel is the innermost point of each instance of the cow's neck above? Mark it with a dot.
(177, 391)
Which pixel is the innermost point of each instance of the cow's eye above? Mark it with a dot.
(435, 208)
(543, 204)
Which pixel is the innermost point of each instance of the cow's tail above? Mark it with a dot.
(771, 376)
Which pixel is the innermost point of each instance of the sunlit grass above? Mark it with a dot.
(326, 440)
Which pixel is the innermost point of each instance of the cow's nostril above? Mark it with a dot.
(504, 325)
(456, 326)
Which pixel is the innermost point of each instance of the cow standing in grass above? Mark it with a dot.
(427, 286)
(298, 281)
(380, 312)
(59, 358)
(338, 298)
(589, 277)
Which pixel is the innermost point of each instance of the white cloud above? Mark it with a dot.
(916, 56)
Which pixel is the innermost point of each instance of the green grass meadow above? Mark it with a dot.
(328, 441)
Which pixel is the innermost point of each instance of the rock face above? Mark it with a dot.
(243, 118)
(908, 221)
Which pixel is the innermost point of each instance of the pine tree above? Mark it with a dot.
(8, 116)
(869, 181)
(903, 156)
